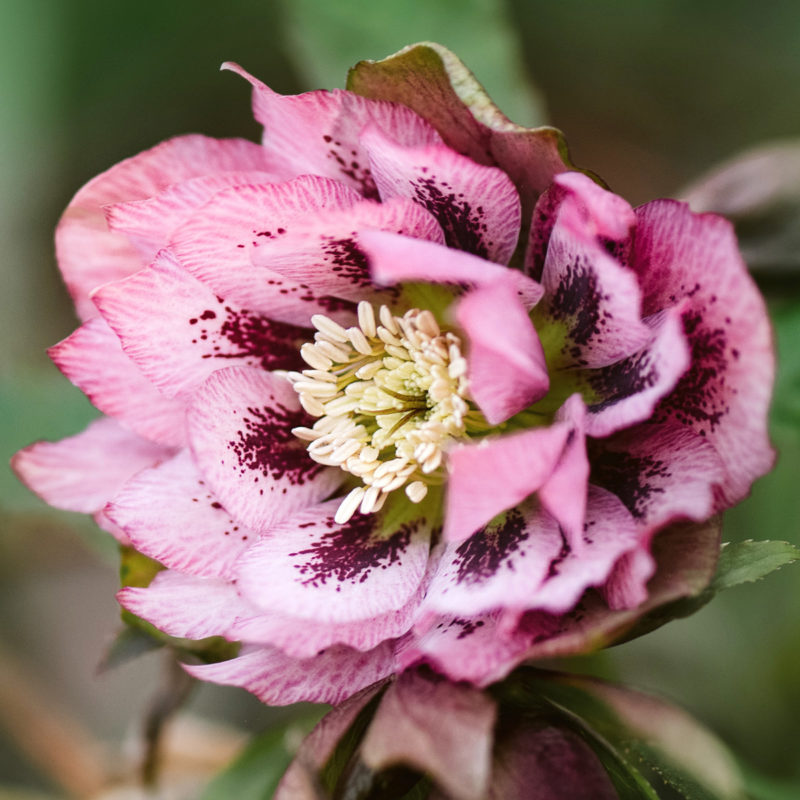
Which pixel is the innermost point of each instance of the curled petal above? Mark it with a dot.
(507, 370)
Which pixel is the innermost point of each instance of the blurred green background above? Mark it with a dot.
(649, 95)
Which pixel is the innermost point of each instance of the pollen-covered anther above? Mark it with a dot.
(389, 394)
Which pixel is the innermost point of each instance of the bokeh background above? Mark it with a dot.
(650, 95)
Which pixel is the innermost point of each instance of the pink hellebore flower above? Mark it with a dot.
(355, 436)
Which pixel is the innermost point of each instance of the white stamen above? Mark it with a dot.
(330, 328)
(314, 358)
(416, 491)
(349, 505)
(366, 319)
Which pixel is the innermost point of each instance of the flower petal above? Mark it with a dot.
(659, 472)
(323, 252)
(240, 430)
(312, 568)
(507, 370)
(593, 301)
(497, 474)
(178, 331)
(589, 211)
(89, 255)
(185, 606)
(170, 515)
(628, 391)
(318, 132)
(724, 395)
(150, 223)
(217, 243)
(438, 728)
(82, 472)
(93, 359)
(477, 206)
(279, 680)
(395, 259)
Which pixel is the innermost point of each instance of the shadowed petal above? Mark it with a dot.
(279, 680)
(240, 429)
(438, 728)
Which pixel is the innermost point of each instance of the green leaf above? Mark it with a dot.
(255, 774)
(749, 561)
(327, 38)
(130, 643)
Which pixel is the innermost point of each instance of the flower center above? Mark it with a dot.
(389, 393)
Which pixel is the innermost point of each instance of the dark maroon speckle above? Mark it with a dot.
(267, 445)
(349, 552)
(578, 300)
(480, 556)
(348, 261)
(464, 227)
(623, 379)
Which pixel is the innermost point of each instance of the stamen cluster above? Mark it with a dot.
(389, 393)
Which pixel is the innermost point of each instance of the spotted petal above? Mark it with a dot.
(724, 395)
(89, 255)
(318, 132)
(278, 679)
(310, 567)
(240, 430)
(169, 514)
(477, 206)
(178, 331)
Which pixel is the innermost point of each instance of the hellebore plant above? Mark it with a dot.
(400, 386)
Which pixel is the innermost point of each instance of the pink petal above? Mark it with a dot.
(323, 252)
(178, 331)
(93, 360)
(89, 255)
(318, 132)
(724, 395)
(659, 472)
(170, 515)
(589, 211)
(497, 474)
(477, 206)
(218, 242)
(593, 299)
(438, 728)
(82, 472)
(395, 259)
(309, 567)
(465, 649)
(500, 566)
(628, 391)
(507, 370)
(184, 605)
(279, 680)
(150, 223)
(240, 424)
